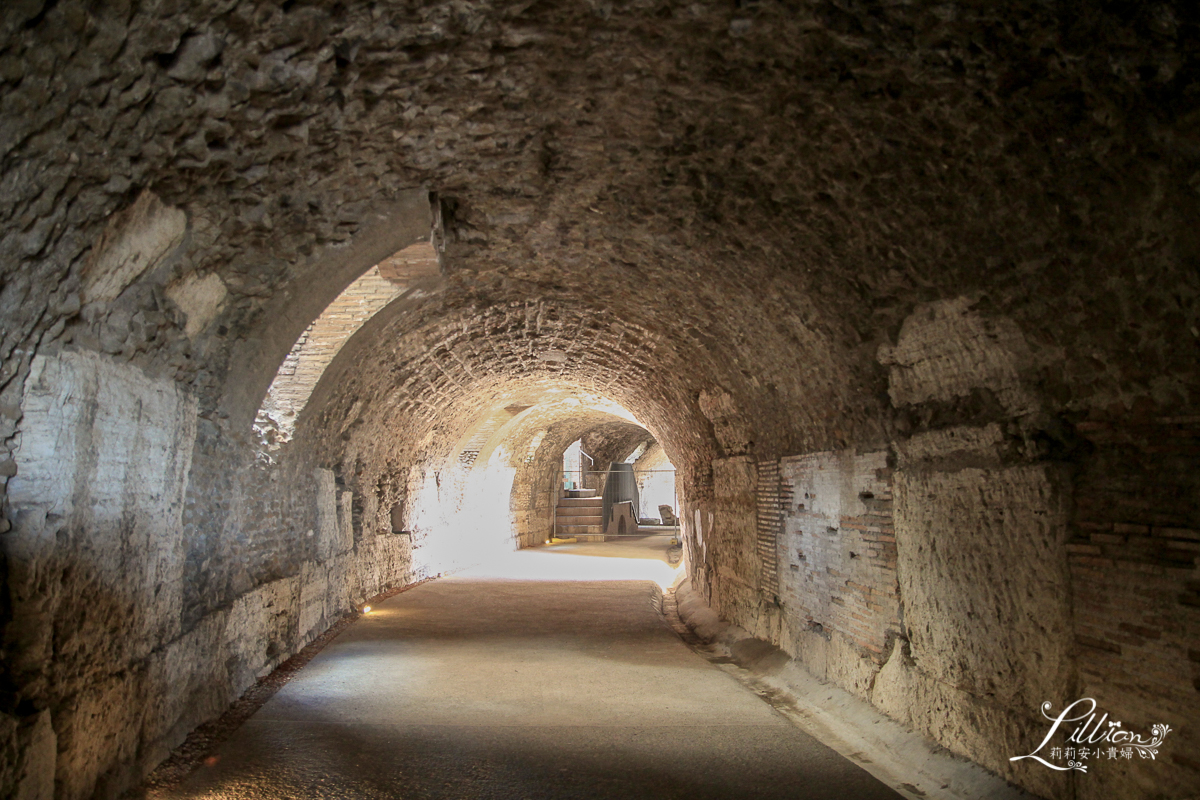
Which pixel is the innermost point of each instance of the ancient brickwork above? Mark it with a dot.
(321, 341)
(772, 506)
(1135, 569)
(838, 549)
(727, 528)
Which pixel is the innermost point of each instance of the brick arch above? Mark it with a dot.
(320, 342)
(513, 452)
(265, 341)
(450, 368)
(534, 442)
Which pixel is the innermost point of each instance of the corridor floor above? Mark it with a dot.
(543, 676)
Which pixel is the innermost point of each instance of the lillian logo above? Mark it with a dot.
(1095, 739)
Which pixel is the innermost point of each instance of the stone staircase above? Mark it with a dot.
(579, 515)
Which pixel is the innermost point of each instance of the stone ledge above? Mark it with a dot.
(909, 763)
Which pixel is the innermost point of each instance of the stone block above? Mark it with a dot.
(967, 724)
(983, 573)
(946, 349)
(135, 241)
(314, 588)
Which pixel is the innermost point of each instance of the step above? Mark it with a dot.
(578, 530)
(579, 493)
(579, 520)
(579, 511)
(581, 502)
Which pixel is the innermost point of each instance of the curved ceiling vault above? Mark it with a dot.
(946, 251)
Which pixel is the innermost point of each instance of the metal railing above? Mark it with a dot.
(581, 472)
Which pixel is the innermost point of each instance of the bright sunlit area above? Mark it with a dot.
(640, 559)
(550, 485)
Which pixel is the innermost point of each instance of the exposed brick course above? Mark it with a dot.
(840, 551)
(1135, 574)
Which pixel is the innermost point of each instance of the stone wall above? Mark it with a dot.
(138, 610)
(990, 559)
(837, 557)
(779, 235)
(95, 568)
(972, 596)
(986, 604)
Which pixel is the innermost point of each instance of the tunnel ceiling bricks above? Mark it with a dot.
(493, 352)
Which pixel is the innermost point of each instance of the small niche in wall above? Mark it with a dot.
(356, 515)
(397, 517)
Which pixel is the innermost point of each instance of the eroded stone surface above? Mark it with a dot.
(981, 563)
(136, 241)
(946, 350)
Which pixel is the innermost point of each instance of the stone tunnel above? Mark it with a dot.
(301, 302)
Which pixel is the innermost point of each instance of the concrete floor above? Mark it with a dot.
(547, 675)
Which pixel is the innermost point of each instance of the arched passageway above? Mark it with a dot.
(527, 678)
(906, 294)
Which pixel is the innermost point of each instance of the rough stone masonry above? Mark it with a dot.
(907, 292)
